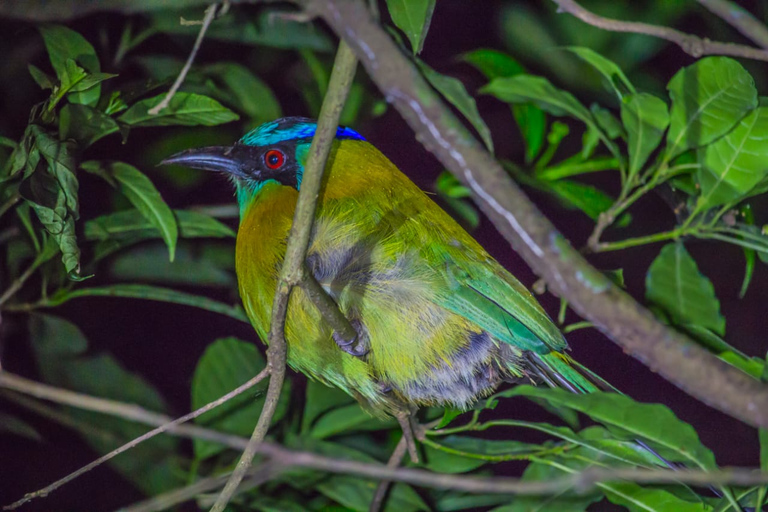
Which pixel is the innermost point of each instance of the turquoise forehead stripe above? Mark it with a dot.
(271, 133)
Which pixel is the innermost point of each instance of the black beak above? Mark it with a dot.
(212, 158)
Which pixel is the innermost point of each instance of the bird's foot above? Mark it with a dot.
(357, 346)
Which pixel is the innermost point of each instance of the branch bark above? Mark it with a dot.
(740, 19)
(291, 272)
(690, 44)
(592, 295)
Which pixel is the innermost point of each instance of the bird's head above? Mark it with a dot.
(274, 152)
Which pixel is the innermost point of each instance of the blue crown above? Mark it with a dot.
(291, 128)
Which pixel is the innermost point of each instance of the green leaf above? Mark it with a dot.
(654, 422)
(357, 494)
(456, 94)
(62, 44)
(226, 364)
(732, 165)
(607, 121)
(85, 124)
(319, 399)
(708, 99)
(615, 78)
(347, 419)
(132, 224)
(529, 118)
(40, 77)
(249, 92)
(645, 117)
(484, 449)
(14, 425)
(644, 499)
(147, 292)
(413, 17)
(185, 109)
(590, 200)
(56, 337)
(675, 283)
(143, 195)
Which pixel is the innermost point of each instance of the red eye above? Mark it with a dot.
(274, 158)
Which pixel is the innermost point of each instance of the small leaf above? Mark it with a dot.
(143, 195)
(455, 92)
(14, 425)
(493, 63)
(590, 200)
(185, 109)
(85, 124)
(226, 364)
(675, 283)
(133, 224)
(607, 122)
(538, 90)
(732, 165)
(65, 44)
(347, 419)
(319, 399)
(40, 77)
(249, 92)
(413, 17)
(645, 118)
(615, 79)
(708, 99)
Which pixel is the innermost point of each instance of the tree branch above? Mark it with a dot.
(740, 19)
(291, 273)
(690, 44)
(592, 295)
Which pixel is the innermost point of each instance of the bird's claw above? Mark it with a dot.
(358, 345)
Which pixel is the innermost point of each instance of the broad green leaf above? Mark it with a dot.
(347, 419)
(61, 165)
(456, 94)
(732, 165)
(529, 118)
(675, 283)
(185, 109)
(538, 90)
(40, 77)
(645, 499)
(615, 78)
(15, 425)
(226, 364)
(654, 422)
(248, 91)
(319, 399)
(645, 117)
(607, 121)
(356, 494)
(62, 44)
(708, 99)
(134, 225)
(413, 17)
(147, 292)
(143, 195)
(85, 124)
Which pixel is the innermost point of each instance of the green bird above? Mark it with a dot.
(439, 321)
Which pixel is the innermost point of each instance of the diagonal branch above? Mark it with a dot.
(291, 272)
(690, 44)
(740, 19)
(592, 295)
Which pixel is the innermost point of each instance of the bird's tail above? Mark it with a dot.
(561, 371)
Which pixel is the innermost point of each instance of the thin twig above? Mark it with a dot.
(690, 44)
(210, 12)
(326, 306)
(16, 383)
(298, 241)
(394, 461)
(582, 481)
(671, 354)
(740, 19)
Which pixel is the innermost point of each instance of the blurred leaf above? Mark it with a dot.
(588, 199)
(732, 165)
(268, 28)
(644, 499)
(133, 224)
(450, 501)
(645, 118)
(675, 283)
(615, 79)
(85, 124)
(185, 109)
(484, 449)
(249, 92)
(226, 364)
(607, 121)
(140, 191)
(19, 427)
(454, 91)
(576, 167)
(708, 99)
(147, 292)
(62, 44)
(413, 17)
(653, 422)
(529, 118)
(464, 211)
(56, 337)
(347, 419)
(357, 494)
(449, 186)
(40, 77)
(749, 254)
(319, 399)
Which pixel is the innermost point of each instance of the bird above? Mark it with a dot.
(439, 322)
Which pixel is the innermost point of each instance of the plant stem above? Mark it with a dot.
(642, 240)
(342, 76)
